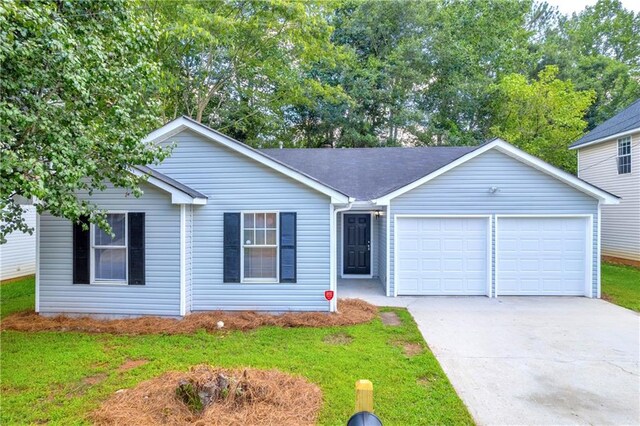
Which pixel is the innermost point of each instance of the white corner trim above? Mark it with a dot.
(177, 196)
(182, 123)
(607, 138)
(37, 307)
(388, 249)
(517, 154)
(183, 260)
(599, 253)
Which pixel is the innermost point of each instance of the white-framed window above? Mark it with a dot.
(109, 255)
(624, 155)
(259, 260)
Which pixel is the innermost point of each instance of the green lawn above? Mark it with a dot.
(17, 295)
(621, 285)
(60, 377)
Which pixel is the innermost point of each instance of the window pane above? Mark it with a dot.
(260, 237)
(117, 222)
(259, 220)
(271, 237)
(248, 237)
(248, 220)
(111, 264)
(271, 220)
(260, 262)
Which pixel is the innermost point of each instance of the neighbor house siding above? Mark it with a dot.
(18, 254)
(620, 222)
(235, 183)
(375, 259)
(464, 190)
(161, 293)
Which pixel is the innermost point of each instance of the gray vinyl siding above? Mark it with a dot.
(597, 164)
(375, 259)
(235, 183)
(161, 293)
(382, 249)
(522, 190)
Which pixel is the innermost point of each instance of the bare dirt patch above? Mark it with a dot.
(412, 349)
(350, 312)
(390, 318)
(254, 397)
(338, 339)
(95, 379)
(131, 364)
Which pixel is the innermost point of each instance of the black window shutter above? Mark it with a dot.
(231, 267)
(288, 247)
(136, 248)
(81, 251)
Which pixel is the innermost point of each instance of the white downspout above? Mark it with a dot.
(333, 281)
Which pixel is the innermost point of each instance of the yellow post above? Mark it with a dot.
(364, 396)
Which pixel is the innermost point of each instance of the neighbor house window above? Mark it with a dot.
(624, 155)
(109, 253)
(260, 247)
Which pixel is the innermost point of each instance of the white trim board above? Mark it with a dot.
(183, 260)
(37, 301)
(517, 154)
(183, 123)
(588, 290)
(489, 236)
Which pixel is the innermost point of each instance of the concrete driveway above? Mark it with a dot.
(533, 360)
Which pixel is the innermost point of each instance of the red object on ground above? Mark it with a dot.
(328, 295)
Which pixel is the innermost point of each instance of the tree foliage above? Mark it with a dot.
(77, 97)
(542, 117)
(83, 81)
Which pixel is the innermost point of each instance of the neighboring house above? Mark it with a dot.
(609, 157)
(18, 254)
(225, 226)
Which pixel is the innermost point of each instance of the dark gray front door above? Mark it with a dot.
(357, 244)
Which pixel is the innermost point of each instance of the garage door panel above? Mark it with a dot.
(452, 253)
(542, 256)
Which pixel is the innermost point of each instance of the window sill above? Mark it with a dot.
(110, 283)
(259, 281)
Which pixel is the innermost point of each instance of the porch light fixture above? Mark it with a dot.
(377, 213)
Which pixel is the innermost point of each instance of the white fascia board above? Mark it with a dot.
(607, 138)
(517, 154)
(182, 123)
(177, 196)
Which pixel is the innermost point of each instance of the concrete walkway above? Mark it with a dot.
(533, 360)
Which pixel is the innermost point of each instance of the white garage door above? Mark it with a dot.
(442, 256)
(542, 256)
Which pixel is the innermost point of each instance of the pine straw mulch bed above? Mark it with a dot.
(254, 397)
(350, 312)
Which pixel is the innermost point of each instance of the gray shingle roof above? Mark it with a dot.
(170, 181)
(367, 173)
(625, 120)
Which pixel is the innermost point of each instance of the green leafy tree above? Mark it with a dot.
(77, 96)
(542, 117)
(239, 66)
